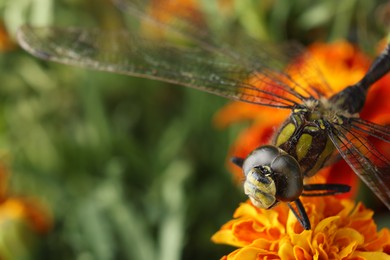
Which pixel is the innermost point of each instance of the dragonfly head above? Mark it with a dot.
(271, 176)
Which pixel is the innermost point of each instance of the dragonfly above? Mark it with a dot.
(321, 128)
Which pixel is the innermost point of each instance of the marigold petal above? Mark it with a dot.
(259, 249)
(285, 249)
(326, 225)
(379, 242)
(358, 255)
(348, 239)
(227, 237)
(301, 253)
(302, 240)
(249, 225)
(235, 112)
(267, 218)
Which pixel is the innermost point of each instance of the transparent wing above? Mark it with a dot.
(368, 128)
(128, 53)
(242, 70)
(186, 19)
(368, 163)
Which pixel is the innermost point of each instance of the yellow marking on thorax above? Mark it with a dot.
(285, 134)
(328, 150)
(303, 145)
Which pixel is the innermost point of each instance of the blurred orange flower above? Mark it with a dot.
(190, 10)
(165, 11)
(22, 221)
(17, 208)
(341, 65)
(184, 15)
(340, 230)
(6, 43)
(172, 12)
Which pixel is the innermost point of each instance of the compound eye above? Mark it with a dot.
(263, 155)
(288, 176)
(260, 187)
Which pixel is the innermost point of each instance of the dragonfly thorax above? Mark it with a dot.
(318, 109)
(325, 109)
(271, 176)
(303, 136)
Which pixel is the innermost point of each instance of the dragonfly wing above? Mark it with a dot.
(241, 69)
(368, 163)
(129, 53)
(380, 132)
(187, 20)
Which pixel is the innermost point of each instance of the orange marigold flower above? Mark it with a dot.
(340, 230)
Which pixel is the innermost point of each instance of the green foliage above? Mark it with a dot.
(130, 168)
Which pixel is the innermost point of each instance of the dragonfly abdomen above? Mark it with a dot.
(306, 142)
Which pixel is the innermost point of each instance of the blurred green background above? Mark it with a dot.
(130, 168)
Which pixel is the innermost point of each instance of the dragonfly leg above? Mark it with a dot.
(315, 190)
(300, 213)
